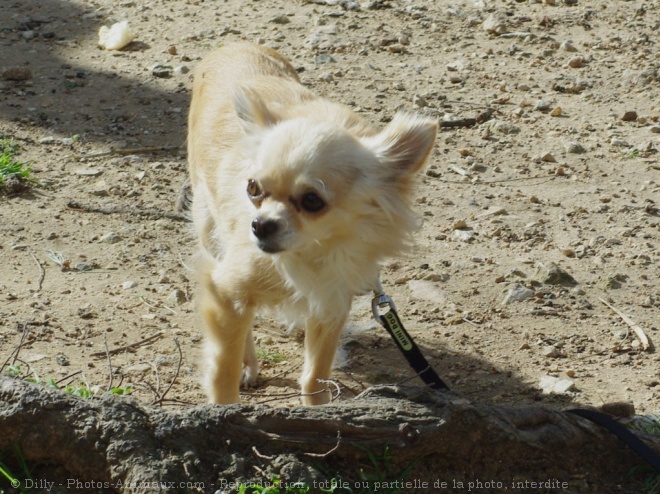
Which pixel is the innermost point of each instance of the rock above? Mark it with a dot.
(280, 19)
(16, 74)
(619, 409)
(655, 129)
(556, 112)
(455, 66)
(177, 296)
(574, 147)
(576, 62)
(542, 105)
(459, 225)
(495, 24)
(553, 275)
(544, 157)
(127, 285)
(83, 266)
(615, 141)
(517, 293)
(110, 238)
(325, 37)
(629, 116)
(324, 58)
(501, 127)
(88, 172)
(550, 384)
(419, 101)
(181, 70)
(568, 46)
(161, 71)
(551, 352)
(477, 168)
(612, 281)
(464, 235)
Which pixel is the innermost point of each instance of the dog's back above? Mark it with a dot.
(213, 124)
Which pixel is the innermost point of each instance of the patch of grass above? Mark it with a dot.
(8, 476)
(82, 390)
(274, 487)
(382, 473)
(269, 356)
(8, 164)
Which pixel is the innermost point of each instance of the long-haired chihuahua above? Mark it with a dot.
(296, 201)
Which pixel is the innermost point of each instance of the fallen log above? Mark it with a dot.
(125, 446)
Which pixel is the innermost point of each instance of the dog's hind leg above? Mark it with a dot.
(321, 341)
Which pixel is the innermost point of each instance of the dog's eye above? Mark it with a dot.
(312, 203)
(253, 188)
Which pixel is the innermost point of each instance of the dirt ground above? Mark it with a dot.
(563, 178)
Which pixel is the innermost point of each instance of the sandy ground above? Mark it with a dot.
(554, 199)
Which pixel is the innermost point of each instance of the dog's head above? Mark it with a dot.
(315, 184)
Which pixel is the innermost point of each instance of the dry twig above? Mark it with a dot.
(128, 151)
(329, 452)
(176, 374)
(637, 329)
(150, 213)
(42, 275)
(129, 346)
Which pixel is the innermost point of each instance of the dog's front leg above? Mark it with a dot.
(227, 331)
(321, 340)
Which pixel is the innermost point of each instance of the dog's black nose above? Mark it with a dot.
(263, 229)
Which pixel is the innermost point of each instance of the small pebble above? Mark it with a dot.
(619, 409)
(542, 105)
(556, 112)
(576, 62)
(615, 141)
(110, 238)
(574, 147)
(556, 385)
(629, 116)
(517, 293)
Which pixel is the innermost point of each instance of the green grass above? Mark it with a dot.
(82, 389)
(269, 357)
(8, 164)
(7, 476)
(648, 478)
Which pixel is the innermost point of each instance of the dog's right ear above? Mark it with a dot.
(252, 112)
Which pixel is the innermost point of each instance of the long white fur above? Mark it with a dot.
(251, 120)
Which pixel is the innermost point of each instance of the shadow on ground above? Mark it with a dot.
(68, 98)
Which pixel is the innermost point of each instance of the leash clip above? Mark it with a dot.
(381, 301)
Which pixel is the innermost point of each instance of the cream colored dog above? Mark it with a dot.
(296, 200)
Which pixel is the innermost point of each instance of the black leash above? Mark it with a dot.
(391, 322)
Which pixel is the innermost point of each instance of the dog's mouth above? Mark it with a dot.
(269, 247)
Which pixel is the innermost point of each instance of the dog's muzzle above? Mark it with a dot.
(265, 232)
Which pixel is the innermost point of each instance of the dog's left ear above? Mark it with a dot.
(252, 112)
(405, 143)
